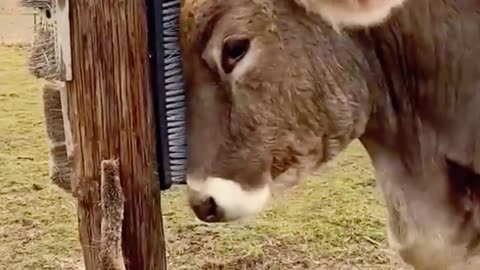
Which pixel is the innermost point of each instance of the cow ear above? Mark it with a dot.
(352, 13)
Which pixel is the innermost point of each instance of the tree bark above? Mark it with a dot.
(111, 116)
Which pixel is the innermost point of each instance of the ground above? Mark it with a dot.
(333, 221)
(16, 24)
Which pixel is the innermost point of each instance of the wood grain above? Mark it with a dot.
(111, 117)
(62, 23)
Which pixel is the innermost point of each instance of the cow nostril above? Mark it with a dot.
(212, 209)
(206, 208)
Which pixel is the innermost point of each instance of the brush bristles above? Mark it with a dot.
(59, 163)
(60, 166)
(175, 94)
(42, 62)
(112, 204)
(52, 106)
(41, 4)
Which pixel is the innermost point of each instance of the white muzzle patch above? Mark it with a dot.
(235, 202)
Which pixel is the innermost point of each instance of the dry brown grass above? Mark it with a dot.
(37, 219)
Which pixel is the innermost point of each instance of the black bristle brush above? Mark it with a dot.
(168, 90)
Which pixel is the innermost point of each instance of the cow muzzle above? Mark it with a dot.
(223, 200)
(205, 207)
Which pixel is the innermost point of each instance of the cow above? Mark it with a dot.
(277, 88)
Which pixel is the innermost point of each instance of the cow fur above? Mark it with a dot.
(406, 84)
(351, 13)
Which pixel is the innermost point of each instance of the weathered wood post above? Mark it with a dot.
(111, 117)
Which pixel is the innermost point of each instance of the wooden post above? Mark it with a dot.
(112, 118)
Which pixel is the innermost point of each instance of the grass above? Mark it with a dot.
(333, 221)
(37, 219)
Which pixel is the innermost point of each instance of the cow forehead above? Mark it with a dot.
(197, 17)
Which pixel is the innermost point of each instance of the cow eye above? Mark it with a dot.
(234, 49)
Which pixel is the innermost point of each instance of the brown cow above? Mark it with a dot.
(274, 91)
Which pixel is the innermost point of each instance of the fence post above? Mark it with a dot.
(111, 117)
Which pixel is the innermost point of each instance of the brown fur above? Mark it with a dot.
(407, 88)
(283, 130)
(112, 201)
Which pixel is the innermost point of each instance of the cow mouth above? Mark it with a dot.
(281, 165)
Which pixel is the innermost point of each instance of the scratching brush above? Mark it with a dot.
(59, 162)
(168, 87)
(43, 62)
(166, 79)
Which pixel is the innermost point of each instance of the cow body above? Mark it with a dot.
(424, 138)
(407, 86)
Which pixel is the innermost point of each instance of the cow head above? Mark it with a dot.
(272, 94)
